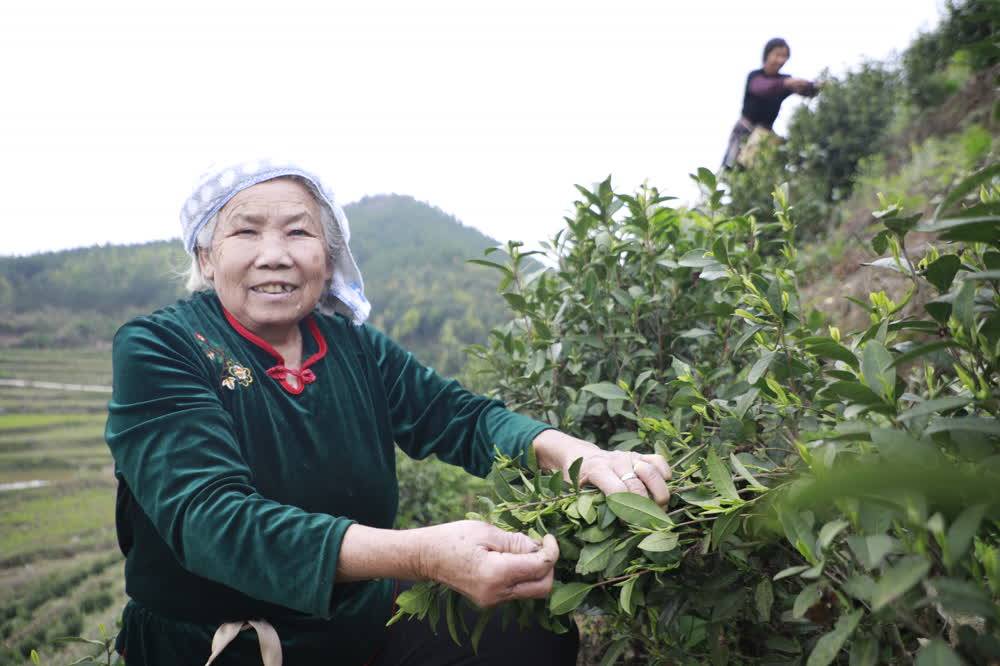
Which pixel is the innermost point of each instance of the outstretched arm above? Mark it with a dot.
(766, 86)
(483, 562)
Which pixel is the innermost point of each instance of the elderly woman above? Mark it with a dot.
(254, 427)
(763, 94)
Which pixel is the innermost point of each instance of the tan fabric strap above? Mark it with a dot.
(270, 644)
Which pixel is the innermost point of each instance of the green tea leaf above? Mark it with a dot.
(415, 600)
(764, 599)
(880, 243)
(707, 178)
(830, 348)
(687, 396)
(901, 225)
(791, 571)
(898, 580)
(695, 333)
(963, 307)
(477, 631)
(449, 616)
(594, 556)
(829, 532)
(806, 599)
(731, 429)
(829, 644)
(870, 550)
(625, 599)
(937, 653)
(798, 531)
(741, 469)
(940, 309)
(614, 652)
(574, 474)
(585, 506)
(964, 597)
(556, 484)
(516, 301)
(566, 598)
(594, 534)
(659, 542)
(742, 340)
(760, 368)
(876, 364)
(774, 297)
(719, 250)
(696, 259)
(961, 531)
(606, 390)
(501, 487)
(987, 426)
(638, 510)
(941, 272)
(972, 229)
(864, 651)
(77, 639)
(491, 264)
(969, 184)
(784, 644)
(720, 476)
(434, 613)
(900, 265)
(854, 391)
(923, 350)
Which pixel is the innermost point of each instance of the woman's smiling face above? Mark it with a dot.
(268, 261)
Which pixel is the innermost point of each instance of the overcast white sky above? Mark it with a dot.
(490, 110)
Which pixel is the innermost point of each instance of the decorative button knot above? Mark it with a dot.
(280, 372)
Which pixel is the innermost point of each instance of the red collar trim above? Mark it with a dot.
(279, 372)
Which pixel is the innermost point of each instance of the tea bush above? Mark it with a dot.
(835, 495)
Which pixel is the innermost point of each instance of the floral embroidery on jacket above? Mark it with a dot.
(231, 373)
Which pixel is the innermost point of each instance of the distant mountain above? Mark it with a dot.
(412, 256)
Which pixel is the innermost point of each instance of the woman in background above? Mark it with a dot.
(763, 94)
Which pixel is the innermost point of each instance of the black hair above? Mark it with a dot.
(775, 43)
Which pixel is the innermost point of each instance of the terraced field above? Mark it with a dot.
(60, 569)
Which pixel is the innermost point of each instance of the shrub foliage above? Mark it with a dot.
(835, 495)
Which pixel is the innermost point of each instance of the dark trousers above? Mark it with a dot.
(412, 643)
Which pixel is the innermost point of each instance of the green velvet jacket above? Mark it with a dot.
(235, 489)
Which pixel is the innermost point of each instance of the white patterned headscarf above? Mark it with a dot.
(218, 185)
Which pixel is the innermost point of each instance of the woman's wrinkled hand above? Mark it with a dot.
(622, 471)
(611, 471)
(487, 564)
